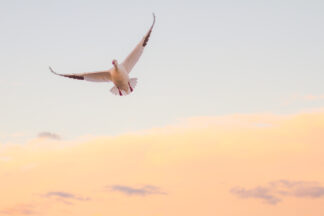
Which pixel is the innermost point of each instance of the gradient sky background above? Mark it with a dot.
(227, 117)
(204, 58)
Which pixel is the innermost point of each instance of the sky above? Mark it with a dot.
(227, 116)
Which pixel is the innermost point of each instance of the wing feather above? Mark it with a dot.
(100, 76)
(133, 57)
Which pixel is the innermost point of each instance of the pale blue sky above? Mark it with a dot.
(203, 58)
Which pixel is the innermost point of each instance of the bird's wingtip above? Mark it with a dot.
(51, 69)
(153, 18)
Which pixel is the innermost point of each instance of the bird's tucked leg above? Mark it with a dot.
(130, 87)
(120, 93)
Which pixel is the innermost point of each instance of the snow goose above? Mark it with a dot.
(118, 74)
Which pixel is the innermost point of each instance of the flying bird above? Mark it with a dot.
(118, 74)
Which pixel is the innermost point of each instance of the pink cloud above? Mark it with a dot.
(22, 209)
(276, 191)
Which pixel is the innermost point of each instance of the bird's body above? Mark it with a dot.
(119, 74)
(120, 78)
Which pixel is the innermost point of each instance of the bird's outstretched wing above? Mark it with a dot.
(100, 76)
(133, 57)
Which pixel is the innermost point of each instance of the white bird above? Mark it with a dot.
(118, 74)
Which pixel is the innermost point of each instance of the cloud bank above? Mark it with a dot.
(197, 162)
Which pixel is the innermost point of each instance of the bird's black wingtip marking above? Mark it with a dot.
(149, 33)
(72, 76)
(146, 39)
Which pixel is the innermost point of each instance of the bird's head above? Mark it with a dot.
(115, 63)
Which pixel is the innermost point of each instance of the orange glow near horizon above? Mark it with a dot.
(230, 165)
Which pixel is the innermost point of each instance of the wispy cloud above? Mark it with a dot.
(22, 209)
(303, 98)
(49, 135)
(299, 188)
(65, 197)
(262, 193)
(141, 191)
(310, 97)
(275, 191)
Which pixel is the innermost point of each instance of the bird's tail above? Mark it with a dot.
(116, 91)
(133, 82)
